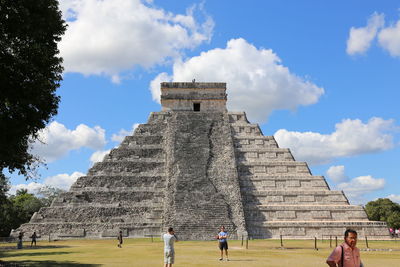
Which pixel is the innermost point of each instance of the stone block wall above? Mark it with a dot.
(281, 196)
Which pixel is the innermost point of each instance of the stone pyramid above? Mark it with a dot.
(196, 166)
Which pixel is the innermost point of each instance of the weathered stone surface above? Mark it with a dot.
(195, 171)
(282, 197)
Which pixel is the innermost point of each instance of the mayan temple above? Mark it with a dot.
(196, 166)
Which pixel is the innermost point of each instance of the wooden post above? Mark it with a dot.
(242, 240)
(336, 240)
(247, 243)
(366, 241)
(151, 238)
(315, 243)
(330, 241)
(49, 238)
(281, 242)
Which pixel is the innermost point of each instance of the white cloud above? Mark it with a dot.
(257, 81)
(155, 85)
(123, 133)
(32, 188)
(389, 39)
(62, 181)
(58, 140)
(395, 198)
(360, 38)
(337, 174)
(351, 137)
(359, 186)
(110, 37)
(98, 156)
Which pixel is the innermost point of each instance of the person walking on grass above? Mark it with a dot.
(20, 237)
(169, 251)
(223, 243)
(120, 240)
(33, 237)
(347, 254)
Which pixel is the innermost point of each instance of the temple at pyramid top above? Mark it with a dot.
(193, 96)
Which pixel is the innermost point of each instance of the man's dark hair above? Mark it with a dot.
(346, 233)
(170, 229)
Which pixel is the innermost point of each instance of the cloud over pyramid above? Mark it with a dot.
(195, 166)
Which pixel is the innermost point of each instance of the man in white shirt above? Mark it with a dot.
(169, 252)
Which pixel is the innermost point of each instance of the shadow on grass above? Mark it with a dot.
(44, 263)
(29, 254)
(28, 247)
(13, 252)
(241, 260)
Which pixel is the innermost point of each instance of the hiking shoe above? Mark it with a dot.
(221, 259)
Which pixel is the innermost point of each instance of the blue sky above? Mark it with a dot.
(322, 76)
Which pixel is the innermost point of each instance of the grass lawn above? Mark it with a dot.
(143, 252)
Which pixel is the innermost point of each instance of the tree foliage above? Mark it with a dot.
(18, 209)
(30, 73)
(385, 210)
(394, 220)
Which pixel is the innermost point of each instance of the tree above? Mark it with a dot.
(6, 209)
(383, 209)
(18, 209)
(25, 205)
(30, 73)
(48, 193)
(394, 220)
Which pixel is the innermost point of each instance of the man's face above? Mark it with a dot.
(351, 240)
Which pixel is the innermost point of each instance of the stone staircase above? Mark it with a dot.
(281, 196)
(203, 188)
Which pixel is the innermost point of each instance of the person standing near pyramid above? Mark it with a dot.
(169, 251)
(33, 237)
(223, 243)
(347, 254)
(120, 239)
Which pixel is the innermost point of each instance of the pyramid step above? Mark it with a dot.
(106, 197)
(273, 167)
(246, 130)
(305, 213)
(116, 181)
(237, 118)
(158, 117)
(127, 167)
(295, 183)
(292, 192)
(289, 196)
(254, 142)
(131, 153)
(93, 214)
(142, 140)
(150, 129)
